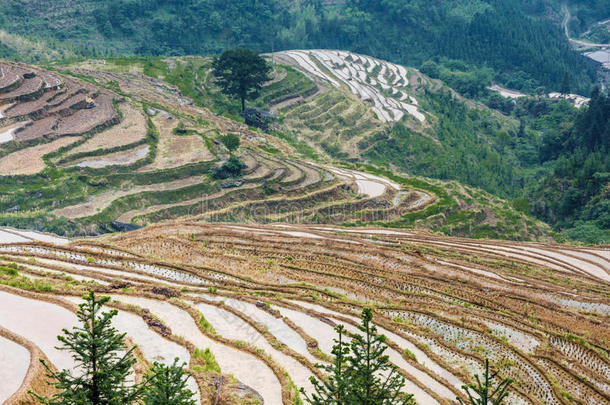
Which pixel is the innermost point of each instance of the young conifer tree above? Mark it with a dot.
(374, 380)
(168, 385)
(361, 374)
(103, 363)
(485, 391)
(333, 390)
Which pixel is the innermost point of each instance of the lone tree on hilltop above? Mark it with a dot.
(241, 73)
(361, 373)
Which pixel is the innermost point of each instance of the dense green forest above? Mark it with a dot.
(555, 165)
(586, 13)
(521, 42)
(468, 145)
(575, 193)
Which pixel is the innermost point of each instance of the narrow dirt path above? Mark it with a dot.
(566, 19)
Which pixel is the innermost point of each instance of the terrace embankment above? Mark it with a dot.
(266, 298)
(91, 148)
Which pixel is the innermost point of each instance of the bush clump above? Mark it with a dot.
(231, 168)
(230, 141)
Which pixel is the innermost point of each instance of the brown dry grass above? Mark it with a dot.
(29, 160)
(102, 200)
(131, 129)
(176, 150)
(122, 158)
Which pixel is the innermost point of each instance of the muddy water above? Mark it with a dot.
(122, 159)
(153, 346)
(9, 237)
(39, 322)
(422, 357)
(315, 328)
(276, 326)
(15, 360)
(232, 327)
(231, 361)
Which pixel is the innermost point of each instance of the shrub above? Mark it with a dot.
(410, 354)
(231, 141)
(206, 325)
(231, 168)
(9, 271)
(167, 385)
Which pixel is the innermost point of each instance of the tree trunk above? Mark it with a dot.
(243, 104)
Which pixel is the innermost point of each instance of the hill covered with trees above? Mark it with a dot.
(576, 193)
(521, 41)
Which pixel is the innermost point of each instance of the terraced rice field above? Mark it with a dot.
(30, 160)
(55, 106)
(338, 101)
(131, 129)
(382, 84)
(124, 160)
(139, 152)
(264, 300)
(176, 150)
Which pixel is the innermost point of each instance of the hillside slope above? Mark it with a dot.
(359, 108)
(106, 148)
(344, 106)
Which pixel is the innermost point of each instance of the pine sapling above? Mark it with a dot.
(361, 374)
(168, 385)
(103, 363)
(486, 392)
(374, 380)
(334, 389)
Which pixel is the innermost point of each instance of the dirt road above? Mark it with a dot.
(566, 19)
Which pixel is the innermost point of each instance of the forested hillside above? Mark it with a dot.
(534, 151)
(576, 194)
(521, 41)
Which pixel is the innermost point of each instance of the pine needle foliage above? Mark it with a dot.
(486, 393)
(103, 363)
(361, 374)
(333, 390)
(168, 385)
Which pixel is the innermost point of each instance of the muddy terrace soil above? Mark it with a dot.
(271, 295)
(55, 105)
